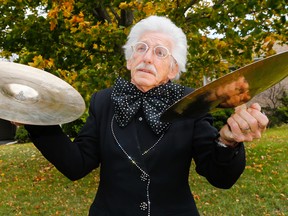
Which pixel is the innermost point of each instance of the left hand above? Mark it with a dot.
(244, 125)
(16, 123)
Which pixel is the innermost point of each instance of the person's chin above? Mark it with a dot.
(145, 77)
(144, 82)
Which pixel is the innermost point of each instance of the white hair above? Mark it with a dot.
(160, 25)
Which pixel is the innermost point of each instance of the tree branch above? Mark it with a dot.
(127, 17)
(219, 3)
(191, 3)
(114, 13)
(101, 14)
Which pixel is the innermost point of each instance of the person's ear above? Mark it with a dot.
(174, 71)
(128, 64)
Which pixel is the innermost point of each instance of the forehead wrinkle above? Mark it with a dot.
(156, 39)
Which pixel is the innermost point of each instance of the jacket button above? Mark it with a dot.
(143, 177)
(143, 206)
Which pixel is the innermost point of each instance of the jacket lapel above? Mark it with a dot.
(126, 139)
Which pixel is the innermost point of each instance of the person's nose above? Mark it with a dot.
(148, 56)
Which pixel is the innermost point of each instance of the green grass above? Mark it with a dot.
(261, 190)
(29, 185)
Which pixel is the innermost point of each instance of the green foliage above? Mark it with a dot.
(279, 115)
(22, 135)
(220, 117)
(282, 113)
(284, 99)
(30, 185)
(71, 129)
(81, 41)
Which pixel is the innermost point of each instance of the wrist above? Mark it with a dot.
(226, 144)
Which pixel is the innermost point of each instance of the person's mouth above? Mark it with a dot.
(144, 70)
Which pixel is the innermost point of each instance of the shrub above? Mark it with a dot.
(220, 117)
(279, 115)
(22, 135)
(73, 128)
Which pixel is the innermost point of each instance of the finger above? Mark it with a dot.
(249, 119)
(255, 106)
(226, 133)
(261, 118)
(245, 120)
(241, 107)
(236, 131)
(243, 125)
(232, 132)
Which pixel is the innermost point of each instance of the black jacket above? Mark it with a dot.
(132, 184)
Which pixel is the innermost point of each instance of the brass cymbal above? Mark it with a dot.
(32, 96)
(231, 90)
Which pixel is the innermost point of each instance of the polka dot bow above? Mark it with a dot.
(128, 99)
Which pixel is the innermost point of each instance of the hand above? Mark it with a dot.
(16, 123)
(245, 125)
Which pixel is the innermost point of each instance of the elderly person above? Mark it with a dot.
(144, 163)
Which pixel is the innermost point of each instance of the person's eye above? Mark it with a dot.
(140, 48)
(161, 52)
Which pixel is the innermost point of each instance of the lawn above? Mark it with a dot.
(29, 185)
(262, 189)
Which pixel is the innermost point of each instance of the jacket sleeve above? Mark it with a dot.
(221, 166)
(74, 159)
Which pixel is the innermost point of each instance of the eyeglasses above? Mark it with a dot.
(160, 51)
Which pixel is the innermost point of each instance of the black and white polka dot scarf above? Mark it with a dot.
(128, 99)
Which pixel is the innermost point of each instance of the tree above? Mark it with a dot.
(279, 115)
(81, 41)
(282, 111)
(273, 95)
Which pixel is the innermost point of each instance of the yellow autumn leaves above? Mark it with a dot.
(148, 8)
(66, 7)
(41, 63)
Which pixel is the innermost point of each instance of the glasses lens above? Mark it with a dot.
(161, 52)
(140, 47)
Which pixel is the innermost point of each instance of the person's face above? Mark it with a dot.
(150, 69)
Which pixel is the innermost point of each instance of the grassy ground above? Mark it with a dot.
(29, 185)
(262, 190)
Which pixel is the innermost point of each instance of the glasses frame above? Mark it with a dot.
(154, 50)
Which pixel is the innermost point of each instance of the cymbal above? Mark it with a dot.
(32, 96)
(231, 90)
